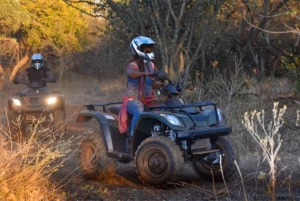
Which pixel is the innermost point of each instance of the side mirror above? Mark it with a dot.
(178, 88)
(162, 75)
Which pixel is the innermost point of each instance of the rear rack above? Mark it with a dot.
(29, 94)
(103, 105)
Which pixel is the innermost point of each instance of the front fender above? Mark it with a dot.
(61, 102)
(87, 115)
(145, 123)
(147, 119)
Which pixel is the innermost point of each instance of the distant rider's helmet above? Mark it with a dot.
(138, 46)
(37, 61)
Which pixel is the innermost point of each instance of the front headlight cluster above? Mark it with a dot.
(16, 102)
(51, 100)
(172, 119)
(219, 112)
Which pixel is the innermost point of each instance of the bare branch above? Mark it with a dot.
(294, 31)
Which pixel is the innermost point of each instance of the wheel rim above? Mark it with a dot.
(155, 163)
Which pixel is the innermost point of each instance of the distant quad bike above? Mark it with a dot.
(168, 134)
(36, 106)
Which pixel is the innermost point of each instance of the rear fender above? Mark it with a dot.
(10, 104)
(87, 115)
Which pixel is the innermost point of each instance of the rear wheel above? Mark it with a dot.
(93, 160)
(158, 160)
(210, 166)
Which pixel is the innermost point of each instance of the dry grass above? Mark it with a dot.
(25, 168)
(268, 137)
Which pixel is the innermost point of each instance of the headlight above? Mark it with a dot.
(219, 115)
(172, 119)
(16, 101)
(51, 100)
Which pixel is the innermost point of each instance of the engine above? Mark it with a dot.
(159, 129)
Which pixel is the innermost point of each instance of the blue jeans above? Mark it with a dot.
(134, 107)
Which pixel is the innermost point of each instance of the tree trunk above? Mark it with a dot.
(17, 67)
(273, 187)
(2, 75)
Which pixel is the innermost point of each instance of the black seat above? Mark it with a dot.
(115, 109)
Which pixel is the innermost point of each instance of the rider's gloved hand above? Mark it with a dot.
(152, 74)
(20, 81)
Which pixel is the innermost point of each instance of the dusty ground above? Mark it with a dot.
(126, 186)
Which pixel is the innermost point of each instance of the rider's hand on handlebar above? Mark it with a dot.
(152, 74)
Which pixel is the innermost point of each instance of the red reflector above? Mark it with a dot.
(81, 118)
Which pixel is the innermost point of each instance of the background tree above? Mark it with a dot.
(196, 40)
(180, 38)
(52, 28)
(205, 41)
(12, 17)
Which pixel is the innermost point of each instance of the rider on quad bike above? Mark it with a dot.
(26, 108)
(139, 82)
(38, 72)
(163, 134)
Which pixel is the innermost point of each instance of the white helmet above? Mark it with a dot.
(37, 61)
(136, 48)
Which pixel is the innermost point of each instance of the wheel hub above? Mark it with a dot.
(157, 163)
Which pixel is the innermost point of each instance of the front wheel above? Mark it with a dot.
(16, 127)
(210, 166)
(158, 160)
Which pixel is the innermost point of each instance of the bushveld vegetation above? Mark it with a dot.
(26, 167)
(244, 55)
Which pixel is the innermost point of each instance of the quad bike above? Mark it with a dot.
(168, 134)
(36, 106)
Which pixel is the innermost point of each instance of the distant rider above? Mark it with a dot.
(37, 73)
(139, 82)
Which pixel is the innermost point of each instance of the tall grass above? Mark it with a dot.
(25, 168)
(268, 137)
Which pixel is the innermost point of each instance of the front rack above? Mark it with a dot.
(197, 104)
(200, 104)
